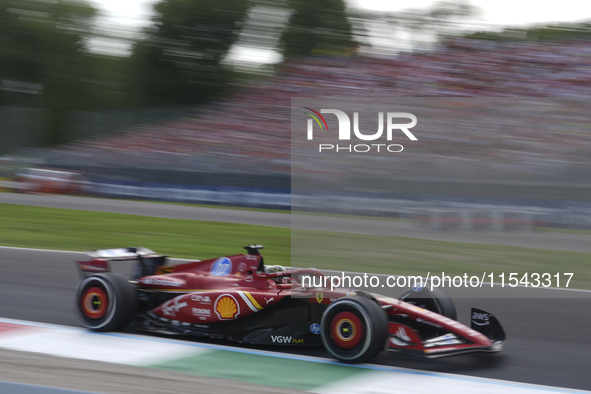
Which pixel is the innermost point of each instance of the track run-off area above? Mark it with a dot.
(275, 369)
(548, 346)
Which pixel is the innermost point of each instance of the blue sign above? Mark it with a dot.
(221, 267)
(315, 328)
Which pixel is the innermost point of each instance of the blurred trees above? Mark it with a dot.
(317, 27)
(41, 60)
(566, 31)
(394, 31)
(180, 60)
(45, 59)
(41, 41)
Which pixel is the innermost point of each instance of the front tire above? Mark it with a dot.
(434, 300)
(105, 302)
(354, 330)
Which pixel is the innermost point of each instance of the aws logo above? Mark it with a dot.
(344, 132)
(480, 319)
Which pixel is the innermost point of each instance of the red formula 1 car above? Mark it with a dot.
(240, 299)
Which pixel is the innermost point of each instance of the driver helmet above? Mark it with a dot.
(272, 269)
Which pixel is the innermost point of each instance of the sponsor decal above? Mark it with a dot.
(315, 328)
(165, 269)
(284, 339)
(319, 297)
(447, 339)
(173, 306)
(203, 299)
(269, 300)
(401, 338)
(160, 282)
(201, 312)
(480, 319)
(352, 293)
(242, 267)
(248, 278)
(417, 288)
(450, 341)
(251, 257)
(226, 307)
(221, 267)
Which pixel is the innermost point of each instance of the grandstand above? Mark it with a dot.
(250, 131)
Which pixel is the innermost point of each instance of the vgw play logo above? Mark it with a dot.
(345, 131)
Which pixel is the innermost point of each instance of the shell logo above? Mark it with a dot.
(226, 307)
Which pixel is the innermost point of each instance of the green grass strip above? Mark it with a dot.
(64, 229)
(410, 256)
(263, 370)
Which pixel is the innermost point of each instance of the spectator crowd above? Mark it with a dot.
(514, 110)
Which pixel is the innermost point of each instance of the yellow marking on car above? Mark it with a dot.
(250, 301)
(251, 298)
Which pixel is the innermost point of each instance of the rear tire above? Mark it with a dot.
(105, 302)
(354, 330)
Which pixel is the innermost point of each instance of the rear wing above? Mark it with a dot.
(130, 253)
(148, 261)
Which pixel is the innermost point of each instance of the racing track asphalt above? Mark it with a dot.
(549, 340)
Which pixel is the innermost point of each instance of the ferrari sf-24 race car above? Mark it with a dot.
(239, 298)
